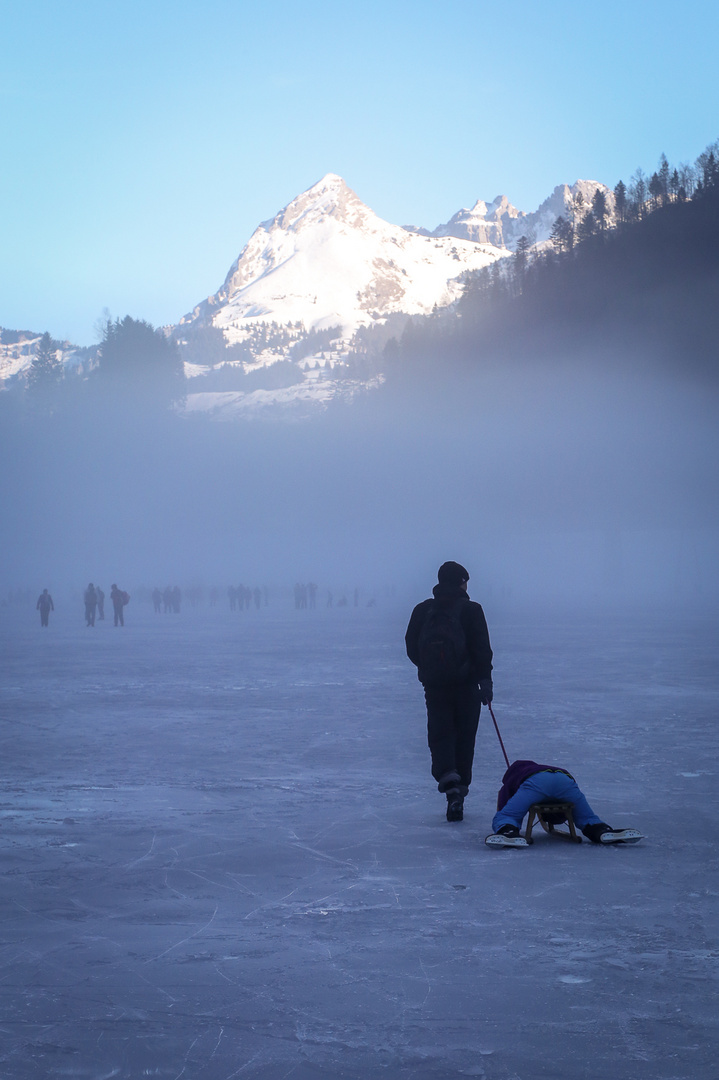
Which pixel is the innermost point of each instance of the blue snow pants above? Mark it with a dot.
(545, 787)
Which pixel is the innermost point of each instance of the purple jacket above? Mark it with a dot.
(517, 773)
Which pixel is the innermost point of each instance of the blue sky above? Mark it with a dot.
(143, 142)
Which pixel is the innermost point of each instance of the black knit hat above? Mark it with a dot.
(452, 573)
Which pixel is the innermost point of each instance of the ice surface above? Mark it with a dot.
(224, 855)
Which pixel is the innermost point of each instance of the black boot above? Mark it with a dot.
(595, 832)
(455, 805)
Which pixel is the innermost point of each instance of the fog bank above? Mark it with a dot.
(572, 481)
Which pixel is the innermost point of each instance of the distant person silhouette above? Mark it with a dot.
(90, 604)
(44, 606)
(119, 599)
(100, 602)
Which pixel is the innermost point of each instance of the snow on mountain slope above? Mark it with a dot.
(328, 260)
(17, 351)
(19, 347)
(315, 390)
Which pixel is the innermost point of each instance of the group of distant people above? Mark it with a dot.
(95, 604)
(305, 595)
(242, 596)
(341, 602)
(94, 601)
(167, 600)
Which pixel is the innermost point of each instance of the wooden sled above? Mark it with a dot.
(538, 810)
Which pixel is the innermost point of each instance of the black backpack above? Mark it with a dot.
(442, 645)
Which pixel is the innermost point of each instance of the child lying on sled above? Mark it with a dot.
(526, 783)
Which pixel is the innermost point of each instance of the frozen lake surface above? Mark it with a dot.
(224, 855)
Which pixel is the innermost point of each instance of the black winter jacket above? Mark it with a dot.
(474, 625)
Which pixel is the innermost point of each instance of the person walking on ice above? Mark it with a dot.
(90, 599)
(119, 599)
(44, 606)
(448, 642)
(526, 783)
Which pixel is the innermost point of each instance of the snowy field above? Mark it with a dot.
(224, 855)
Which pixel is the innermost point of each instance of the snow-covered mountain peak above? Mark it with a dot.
(327, 260)
(330, 197)
(500, 206)
(326, 266)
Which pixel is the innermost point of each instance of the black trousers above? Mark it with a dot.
(452, 721)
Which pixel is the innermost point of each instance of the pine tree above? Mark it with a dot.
(620, 201)
(663, 174)
(139, 366)
(655, 190)
(471, 292)
(638, 192)
(496, 279)
(562, 235)
(674, 185)
(600, 210)
(520, 259)
(687, 179)
(577, 207)
(587, 227)
(706, 169)
(45, 374)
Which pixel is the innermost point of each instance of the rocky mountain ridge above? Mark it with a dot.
(311, 279)
(501, 224)
(327, 260)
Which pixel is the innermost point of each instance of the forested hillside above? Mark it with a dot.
(645, 290)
